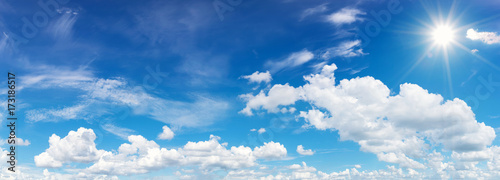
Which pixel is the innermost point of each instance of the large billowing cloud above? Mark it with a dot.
(77, 146)
(141, 155)
(399, 128)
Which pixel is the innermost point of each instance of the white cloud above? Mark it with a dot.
(401, 159)
(315, 10)
(53, 115)
(302, 171)
(394, 127)
(302, 151)
(344, 49)
(486, 37)
(474, 51)
(141, 155)
(261, 130)
(166, 134)
(293, 60)
(258, 77)
(18, 142)
(345, 16)
(253, 130)
(357, 166)
(279, 95)
(109, 94)
(118, 131)
(77, 146)
(270, 150)
(63, 26)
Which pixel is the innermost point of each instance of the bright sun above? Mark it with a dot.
(443, 35)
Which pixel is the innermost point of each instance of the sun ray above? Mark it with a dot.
(448, 70)
(419, 60)
(478, 56)
(442, 34)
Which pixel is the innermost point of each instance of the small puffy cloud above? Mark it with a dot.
(253, 130)
(166, 134)
(345, 16)
(344, 49)
(302, 151)
(474, 51)
(258, 77)
(486, 37)
(21, 142)
(278, 95)
(357, 166)
(77, 146)
(261, 130)
(293, 60)
(270, 150)
(289, 110)
(18, 142)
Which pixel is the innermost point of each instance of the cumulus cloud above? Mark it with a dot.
(303, 171)
(293, 60)
(345, 16)
(166, 134)
(77, 146)
(302, 151)
(261, 130)
(270, 150)
(344, 49)
(258, 77)
(141, 155)
(18, 142)
(394, 127)
(277, 96)
(486, 37)
(474, 51)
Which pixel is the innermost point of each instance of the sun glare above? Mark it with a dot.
(443, 35)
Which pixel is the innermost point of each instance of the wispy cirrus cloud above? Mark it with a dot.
(344, 49)
(62, 28)
(293, 60)
(118, 131)
(314, 10)
(111, 93)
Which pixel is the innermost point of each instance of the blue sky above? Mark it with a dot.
(241, 89)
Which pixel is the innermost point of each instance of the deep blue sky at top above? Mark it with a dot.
(204, 55)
